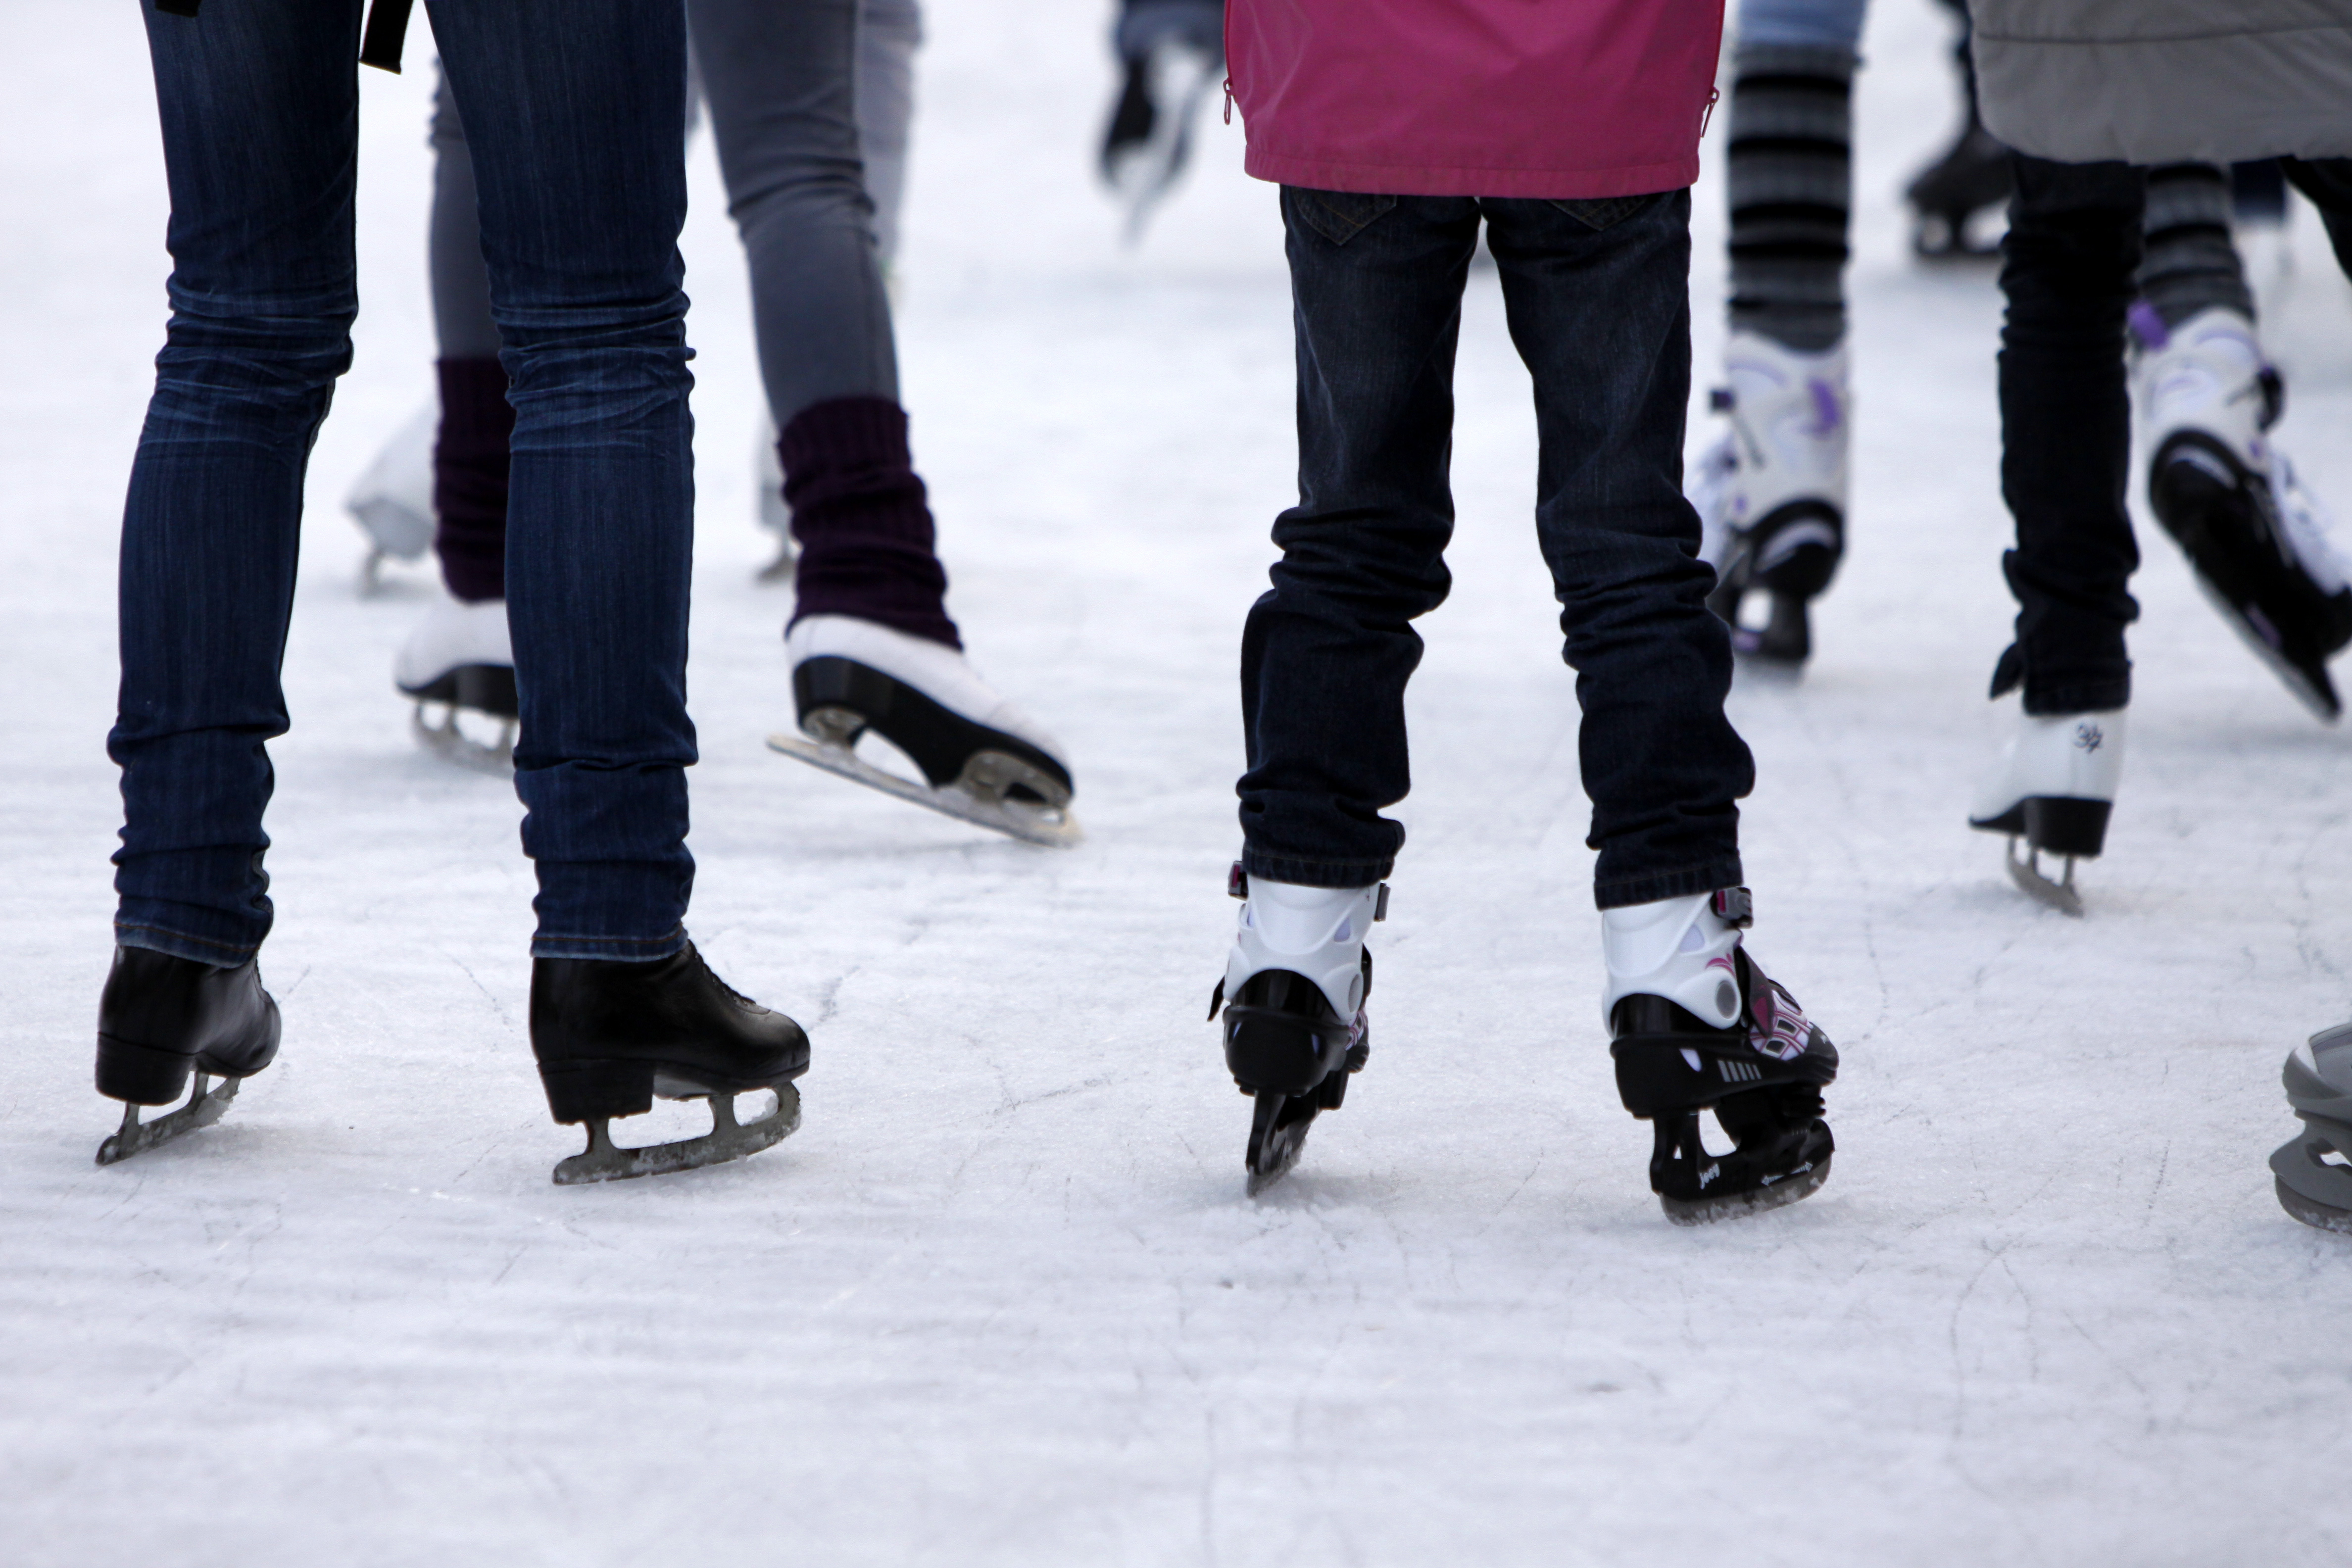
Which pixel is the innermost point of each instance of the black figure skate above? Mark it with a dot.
(609, 1036)
(161, 1018)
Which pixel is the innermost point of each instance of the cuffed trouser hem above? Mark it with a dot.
(1316, 873)
(610, 949)
(180, 944)
(2077, 697)
(1660, 885)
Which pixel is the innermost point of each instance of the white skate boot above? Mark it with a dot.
(1694, 1024)
(458, 659)
(982, 759)
(1293, 997)
(2257, 541)
(2054, 788)
(1773, 494)
(393, 500)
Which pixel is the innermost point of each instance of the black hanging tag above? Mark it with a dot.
(178, 8)
(387, 29)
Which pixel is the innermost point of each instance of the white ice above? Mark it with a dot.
(1001, 1300)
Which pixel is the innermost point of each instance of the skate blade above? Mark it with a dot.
(450, 744)
(728, 1139)
(2316, 695)
(1272, 1149)
(204, 1107)
(2311, 1211)
(1798, 1185)
(2027, 874)
(1053, 826)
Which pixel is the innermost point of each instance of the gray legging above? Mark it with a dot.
(809, 103)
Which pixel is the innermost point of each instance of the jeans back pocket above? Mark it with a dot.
(1604, 212)
(1338, 216)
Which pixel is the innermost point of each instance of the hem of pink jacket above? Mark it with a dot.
(1404, 180)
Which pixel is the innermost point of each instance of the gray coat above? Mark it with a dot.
(2164, 81)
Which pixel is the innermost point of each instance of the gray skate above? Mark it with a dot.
(2314, 1169)
(604, 1161)
(205, 1107)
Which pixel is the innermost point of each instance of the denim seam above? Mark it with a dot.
(1316, 873)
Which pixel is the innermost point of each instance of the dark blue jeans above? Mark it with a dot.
(1599, 302)
(575, 109)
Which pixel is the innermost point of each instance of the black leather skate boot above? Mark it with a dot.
(161, 1018)
(609, 1036)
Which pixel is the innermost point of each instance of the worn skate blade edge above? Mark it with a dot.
(135, 1137)
(604, 1161)
(1740, 1205)
(452, 745)
(1274, 1146)
(1054, 829)
(2059, 896)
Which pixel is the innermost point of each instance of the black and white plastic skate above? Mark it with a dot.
(1287, 1045)
(1762, 1076)
(163, 1019)
(610, 1036)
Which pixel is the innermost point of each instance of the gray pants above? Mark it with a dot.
(809, 103)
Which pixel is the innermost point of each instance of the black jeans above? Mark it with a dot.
(1598, 298)
(2068, 263)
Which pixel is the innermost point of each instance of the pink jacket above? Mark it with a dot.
(1475, 97)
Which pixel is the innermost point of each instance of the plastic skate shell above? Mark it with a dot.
(2312, 1172)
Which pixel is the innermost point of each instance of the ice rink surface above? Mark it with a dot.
(1001, 1300)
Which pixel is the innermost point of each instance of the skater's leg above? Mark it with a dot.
(573, 113)
(469, 459)
(1376, 288)
(1772, 492)
(2073, 243)
(2188, 263)
(782, 85)
(259, 106)
(888, 34)
(1599, 310)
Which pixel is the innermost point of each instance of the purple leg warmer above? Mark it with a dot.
(469, 477)
(858, 511)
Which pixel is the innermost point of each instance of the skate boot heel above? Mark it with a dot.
(142, 1075)
(2057, 825)
(597, 1091)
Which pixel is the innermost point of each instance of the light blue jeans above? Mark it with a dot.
(1835, 24)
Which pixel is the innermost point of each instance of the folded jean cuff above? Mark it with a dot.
(609, 949)
(1316, 873)
(1649, 889)
(180, 944)
(2047, 699)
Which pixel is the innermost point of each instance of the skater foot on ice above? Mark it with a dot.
(982, 758)
(2314, 1168)
(161, 1019)
(458, 661)
(393, 500)
(1696, 1025)
(609, 1036)
(2258, 540)
(1293, 997)
(1171, 54)
(2052, 792)
(1771, 495)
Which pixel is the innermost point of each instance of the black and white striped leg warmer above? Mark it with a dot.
(2190, 263)
(1791, 185)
